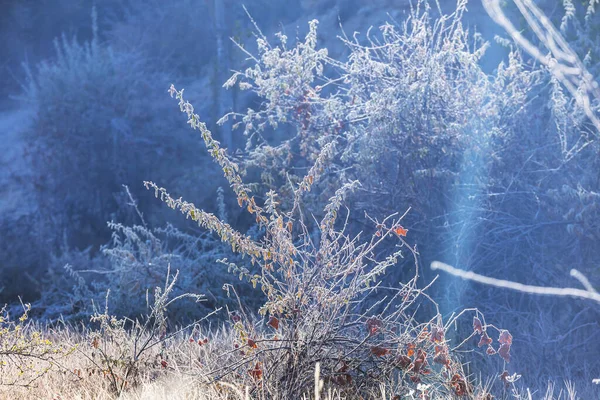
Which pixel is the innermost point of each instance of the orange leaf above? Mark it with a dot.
(400, 231)
(411, 349)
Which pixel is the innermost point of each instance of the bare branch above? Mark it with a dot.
(519, 287)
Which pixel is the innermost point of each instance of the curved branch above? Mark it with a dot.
(519, 287)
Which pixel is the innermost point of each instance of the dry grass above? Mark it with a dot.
(76, 375)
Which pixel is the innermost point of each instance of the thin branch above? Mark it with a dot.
(519, 287)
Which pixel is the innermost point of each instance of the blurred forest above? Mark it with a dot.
(492, 157)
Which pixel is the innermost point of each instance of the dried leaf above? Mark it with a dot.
(505, 337)
(441, 358)
(273, 322)
(400, 231)
(437, 334)
(379, 351)
(504, 352)
(503, 377)
(459, 384)
(477, 327)
(403, 361)
(410, 349)
(373, 325)
(485, 340)
(256, 372)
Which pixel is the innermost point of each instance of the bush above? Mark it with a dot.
(493, 166)
(325, 301)
(91, 133)
(136, 260)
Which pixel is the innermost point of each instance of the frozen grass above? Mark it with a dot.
(76, 376)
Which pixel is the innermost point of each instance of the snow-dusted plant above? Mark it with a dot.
(90, 134)
(492, 163)
(326, 302)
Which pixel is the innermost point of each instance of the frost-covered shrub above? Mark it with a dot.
(97, 125)
(136, 260)
(490, 164)
(325, 302)
(413, 111)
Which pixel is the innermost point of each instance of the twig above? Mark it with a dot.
(519, 287)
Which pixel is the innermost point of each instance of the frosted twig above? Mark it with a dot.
(583, 279)
(501, 283)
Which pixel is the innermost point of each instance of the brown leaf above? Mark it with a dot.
(379, 351)
(256, 372)
(344, 368)
(504, 378)
(273, 322)
(420, 361)
(459, 384)
(504, 352)
(490, 351)
(505, 337)
(403, 361)
(252, 344)
(485, 340)
(477, 327)
(373, 325)
(441, 358)
(437, 334)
